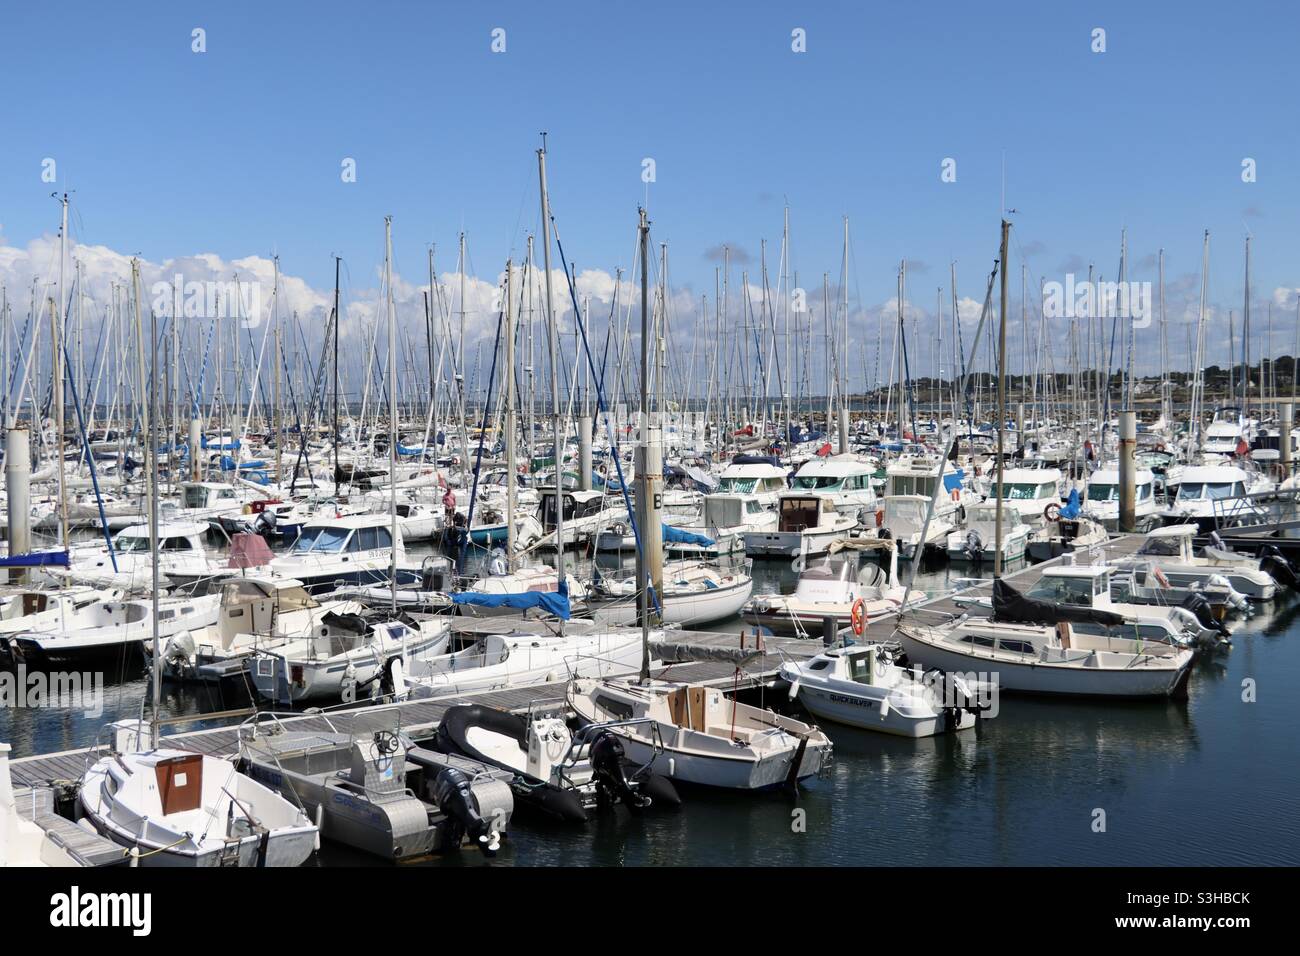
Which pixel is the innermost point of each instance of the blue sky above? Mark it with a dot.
(237, 151)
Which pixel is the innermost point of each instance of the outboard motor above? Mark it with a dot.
(455, 796)
(1275, 564)
(1200, 607)
(606, 757)
(974, 547)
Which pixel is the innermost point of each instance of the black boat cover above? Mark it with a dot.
(1012, 607)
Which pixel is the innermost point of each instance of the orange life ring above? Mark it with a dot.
(858, 617)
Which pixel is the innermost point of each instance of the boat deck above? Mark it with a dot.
(420, 718)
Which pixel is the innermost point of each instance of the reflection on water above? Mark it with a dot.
(1209, 780)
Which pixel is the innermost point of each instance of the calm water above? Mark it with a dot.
(1211, 780)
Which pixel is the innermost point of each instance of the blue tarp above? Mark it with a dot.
(1071, 509)
(403, 450)
(952, 482)
(557, 603)
(37, 559)
(681, 536)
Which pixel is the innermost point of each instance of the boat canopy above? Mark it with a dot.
(1012, 607)
(556, 603)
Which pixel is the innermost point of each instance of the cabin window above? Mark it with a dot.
(368, 538)
(860, 668)
(816, 482)
(819, 665)
(383, 538)
(978, 641)
(1020, 647)
(175, 544)
(1103, 493)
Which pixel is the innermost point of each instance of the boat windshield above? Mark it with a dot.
(1024, 491)
(1103, 492)
(1210, 491)
(823, 482)
(320, 539)
(132, 544)
(1063, 590)
(737, 486)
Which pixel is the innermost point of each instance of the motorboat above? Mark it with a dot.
(845, 479)
(901, 519)
(128, 566)
(1101, 502)
(1215, 496)
(725, 520)
(344, 656)
(1060, 535)
(1171, 549)
(862, 686)
(830, 588)
(692, 733)
(807, 523)
(178, 808)
(554, 772)
(374, 790)
(979, 542)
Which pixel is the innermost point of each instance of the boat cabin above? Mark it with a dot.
(1173, 541)
(184, 537)
(577, 505)
(351, 534)
(251, 605)
(200, 495)
(799, 512)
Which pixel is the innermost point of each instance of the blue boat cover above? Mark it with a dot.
(951, 482)
(37, 559)
(682, 536)
(1071, 509)
(556, 603)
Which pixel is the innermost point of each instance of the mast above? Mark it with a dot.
(553, 337)
(1002, 401)
(510, 416)
(337, 320)
(392, 402)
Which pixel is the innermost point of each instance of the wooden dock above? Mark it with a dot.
(420, 718)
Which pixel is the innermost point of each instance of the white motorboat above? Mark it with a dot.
(178, 808)
(342, 657)
(129, 567)
(1101, 503)
(1171, 549)
(845, 479)
(725, 521)
(530, 579)
(830, 588)
(1213, 496)
(978, 542)
(861, 686)
(694, 734)
(807, 523)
